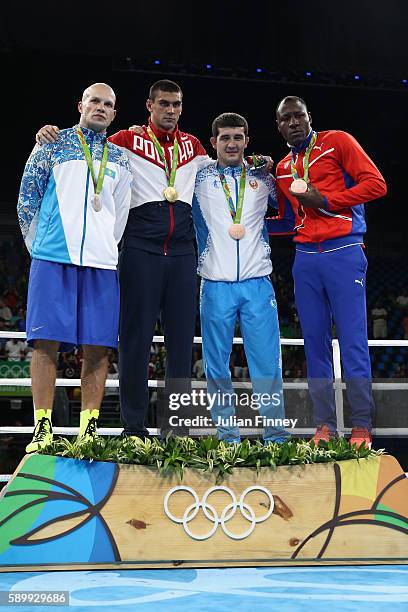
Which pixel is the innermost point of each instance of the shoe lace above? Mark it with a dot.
(42, 428)
(91, 427)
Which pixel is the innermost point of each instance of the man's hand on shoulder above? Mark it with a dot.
(137, 129)
(312, 198)
(47, 134)
(261, 162)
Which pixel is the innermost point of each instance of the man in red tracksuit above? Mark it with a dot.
(157, 262)
(323, 183)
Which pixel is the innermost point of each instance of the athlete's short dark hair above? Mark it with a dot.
(291, 99)
(229, 120)
(164, 85)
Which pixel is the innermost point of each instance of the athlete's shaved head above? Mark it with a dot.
(97, 107)
(89, 91)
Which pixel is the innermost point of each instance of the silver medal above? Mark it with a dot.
(96, 202)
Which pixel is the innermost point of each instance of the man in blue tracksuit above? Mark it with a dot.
(229, 205)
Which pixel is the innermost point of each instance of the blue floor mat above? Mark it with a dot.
(343, 589)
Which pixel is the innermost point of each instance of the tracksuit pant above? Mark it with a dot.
(253, 301)
(153, 285)
(330, 286)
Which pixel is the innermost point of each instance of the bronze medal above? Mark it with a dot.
(236, 231)
(298, 186)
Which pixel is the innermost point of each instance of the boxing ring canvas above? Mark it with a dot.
(60, 513)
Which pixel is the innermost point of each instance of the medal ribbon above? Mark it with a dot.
(293, 168)
(236, 213)
(171, 174)
(97, 183)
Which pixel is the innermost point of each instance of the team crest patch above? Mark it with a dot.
(254, 184)
(286, 165)
(216, 184)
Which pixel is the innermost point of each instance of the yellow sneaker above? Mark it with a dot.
(42, 433)
(87, 426)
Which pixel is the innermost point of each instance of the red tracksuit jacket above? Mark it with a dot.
(344, 174)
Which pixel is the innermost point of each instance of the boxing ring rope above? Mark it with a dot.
(338, 385)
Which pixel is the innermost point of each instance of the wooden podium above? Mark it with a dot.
(59, 513)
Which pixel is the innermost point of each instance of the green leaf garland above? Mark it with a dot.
(208, 454)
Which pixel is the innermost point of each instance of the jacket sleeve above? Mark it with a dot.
(122, 139)
(283, 223)
(369, 183)
(33, 186)
(122, 195)
(202, 157)
(270, 183)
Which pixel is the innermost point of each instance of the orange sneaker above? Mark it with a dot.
(323, 433)
(359, 436)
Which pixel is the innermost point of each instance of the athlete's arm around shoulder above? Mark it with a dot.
(122, 192)
(270, 183)
(48, 134)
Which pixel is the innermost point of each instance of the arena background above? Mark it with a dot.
(349, 63)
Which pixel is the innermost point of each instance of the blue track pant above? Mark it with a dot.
(331, 286)
(254, 302)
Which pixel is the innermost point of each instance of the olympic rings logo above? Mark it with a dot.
(212, 515)
(15, 370)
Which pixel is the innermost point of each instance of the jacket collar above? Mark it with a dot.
(162, 135)
(233, 171)
(91, 134)
(303, 145)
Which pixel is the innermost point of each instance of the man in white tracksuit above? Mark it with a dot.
(229, 206)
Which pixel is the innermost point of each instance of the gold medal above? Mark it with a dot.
(236, 231)
(170, 193)
(298, 186)
(96, 201)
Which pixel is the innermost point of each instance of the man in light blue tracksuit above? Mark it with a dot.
(229, 206)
